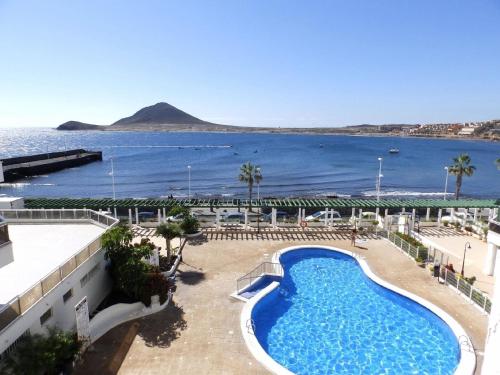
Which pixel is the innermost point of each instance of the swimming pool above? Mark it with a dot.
(331, 315)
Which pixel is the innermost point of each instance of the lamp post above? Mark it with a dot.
(112, 174)
(189, 182)
(378, 178)
(258, 200)
(467, 246)
(446, 182)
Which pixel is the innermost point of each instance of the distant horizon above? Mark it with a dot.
(251, 64)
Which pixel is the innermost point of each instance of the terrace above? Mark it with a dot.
(200, 332)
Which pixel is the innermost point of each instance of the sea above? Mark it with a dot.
(161, 164)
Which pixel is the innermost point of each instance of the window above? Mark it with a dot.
(93, 271)
(46, 316)
(67, 295)
(85, 279)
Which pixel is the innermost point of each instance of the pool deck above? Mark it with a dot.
(200, 332)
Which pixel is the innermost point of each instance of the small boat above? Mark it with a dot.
(394, 151)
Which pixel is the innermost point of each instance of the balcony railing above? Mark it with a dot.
(20, 304)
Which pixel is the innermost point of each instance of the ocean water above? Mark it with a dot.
(154, 164)
(328, 317)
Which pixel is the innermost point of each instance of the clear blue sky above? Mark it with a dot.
(259, 62)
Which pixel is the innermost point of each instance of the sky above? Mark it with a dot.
(254, 63)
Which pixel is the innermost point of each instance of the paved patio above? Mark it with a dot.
(454, 243)
(200, 333)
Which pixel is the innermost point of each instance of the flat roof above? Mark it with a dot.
(39, 249)
(9, 199)
(153, 203)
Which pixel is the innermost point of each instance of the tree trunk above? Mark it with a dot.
(250, 187)
(458, 186)
(169, 251)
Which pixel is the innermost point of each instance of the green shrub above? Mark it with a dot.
(190, 225)
(156, 284)
(412, 241)
(445, 223)
(42, 354)
(178, 210)
(128, 268)
(470, 280)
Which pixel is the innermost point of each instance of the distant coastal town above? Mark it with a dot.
(483, 129)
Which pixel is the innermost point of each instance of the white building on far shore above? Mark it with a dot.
(49, 261)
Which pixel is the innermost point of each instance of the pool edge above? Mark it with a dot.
(466, 365)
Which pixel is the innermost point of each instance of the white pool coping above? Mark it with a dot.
(467, 363)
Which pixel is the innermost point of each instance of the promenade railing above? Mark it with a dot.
(414, 252)
(452, 279)
(21, 303)
(466, 289)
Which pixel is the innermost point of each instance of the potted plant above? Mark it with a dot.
(190, 227)
(430, 267)
(471, 280)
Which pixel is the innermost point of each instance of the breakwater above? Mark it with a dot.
(17, 168)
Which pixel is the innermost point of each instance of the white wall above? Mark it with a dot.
(63, 313)
(492, 347)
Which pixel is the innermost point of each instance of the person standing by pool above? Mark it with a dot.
(353, 237)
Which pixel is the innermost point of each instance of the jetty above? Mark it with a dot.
(20, 167)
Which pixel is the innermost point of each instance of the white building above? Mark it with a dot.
(49, 261)
(491, 364)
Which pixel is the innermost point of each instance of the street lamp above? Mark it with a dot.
(189, 182)
(446, 182)
(257, 170)
(378, 178)
(467, 246)
(112, 174)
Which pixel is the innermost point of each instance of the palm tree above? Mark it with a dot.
(460, 168)
(250, 174)
(168, 232)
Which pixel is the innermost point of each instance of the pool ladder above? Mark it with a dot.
(250, 326)
(465, 343)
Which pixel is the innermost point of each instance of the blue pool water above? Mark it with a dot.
(328, 317)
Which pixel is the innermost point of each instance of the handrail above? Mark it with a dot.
(250, 324)
(265, 268)
(21, 303)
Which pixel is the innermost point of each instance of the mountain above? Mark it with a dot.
(165, 117)
(160, 113)
(77, 125)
